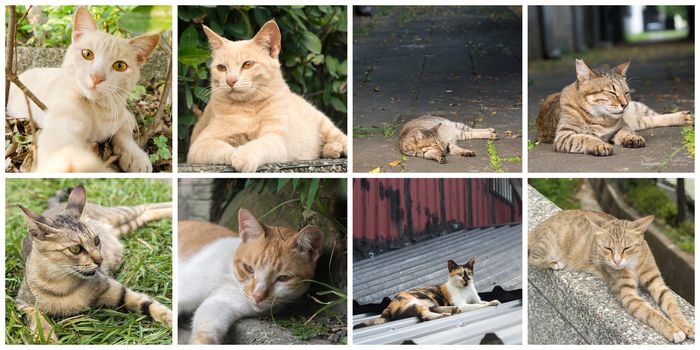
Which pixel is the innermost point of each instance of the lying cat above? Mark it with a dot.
(432, 137)
(597, 109)
(225, 276)
(456, 295)
(71, 253)
(252, 117)
(615, 250)
(86, 97)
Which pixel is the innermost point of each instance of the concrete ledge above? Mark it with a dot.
(304, 166)
(568, 307)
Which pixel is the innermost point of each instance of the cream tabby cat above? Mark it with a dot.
(225, 276)
(86, 99)
(71, 253)
(597, 109)
(432, 137)
(252, 117)
(615, 250)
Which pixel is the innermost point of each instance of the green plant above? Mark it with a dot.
(531, 145)
(561, 192)
(689, 139)
(163, 152)
(313, 56)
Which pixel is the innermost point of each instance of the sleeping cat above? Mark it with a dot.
(225, 276)
(71, 253)
(86, 97)
(597, 109)
(432, 137)
(456, 295)
(615, 250)
(252, 117)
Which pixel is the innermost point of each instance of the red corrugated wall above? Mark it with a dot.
(393, 210)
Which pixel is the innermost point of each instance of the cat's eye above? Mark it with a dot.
(220, 67)
(247, 64)
(626, 248)
(283, 278)
(247, 268)
(119, 66)
(75, 249)
(87, 54)
(97, 240)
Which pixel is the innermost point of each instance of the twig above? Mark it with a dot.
(32, 129)
(15, 80)
(10, 48)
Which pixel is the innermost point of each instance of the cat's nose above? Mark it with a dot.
(97, 260)
(231, 81)
(97, 79)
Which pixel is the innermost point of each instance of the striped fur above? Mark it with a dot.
(433, 137)
(70, 254)
(429, 303)
(615, 250)
(597, 110)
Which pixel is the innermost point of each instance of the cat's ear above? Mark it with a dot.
(37, 225)
(309, 242)
(596, 220)
(451, 265)
(640, 225)
(215, 40)
(470, 264)
(144, 45)
(248, 225)
(583, 73)
(418, 135)
(621, 69)
(76, 201)
(436, 128)
(83, 22)
(270, 38)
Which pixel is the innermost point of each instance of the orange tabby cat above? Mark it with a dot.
(252, 117)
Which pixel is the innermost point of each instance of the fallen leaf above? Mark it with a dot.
(395, 163)
(376, 170)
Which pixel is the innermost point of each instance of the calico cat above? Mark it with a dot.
(225, 276)
(432, 137)
(615, 250)
(71, 253)
(252, 117)
(597, 109)
(86, 98)
(456, 295)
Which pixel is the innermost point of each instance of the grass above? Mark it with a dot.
(495, 159)
(147, 265)
(561, 192)
(689, 139)
(387, 131)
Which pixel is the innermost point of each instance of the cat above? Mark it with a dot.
(597, 109)
(456, 295)
(225, 276)
(252, 117)
(86, 97)
(71, 253)
(432, 137)
(615, 250)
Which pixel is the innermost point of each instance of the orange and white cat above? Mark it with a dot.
(86, 99)
(225, 276)
(252, 117)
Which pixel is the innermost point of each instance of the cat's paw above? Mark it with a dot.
(333, 150)
(46, 329)
(633, 141)
(557, 265)
(467, 153)
(244, 162)
(494, 303)
(455, 310)
(602, 150)
(202, 338)
(493, 135)
(677, 337)
(163, 315)
(135, 162)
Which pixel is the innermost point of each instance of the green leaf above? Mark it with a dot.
(338, 104)
(311, 42)
(192, 56)
(343, 68)
(332, 65)
(281, 183)
(189, 38)
(313, 190)
(147, 19)
(188, 97)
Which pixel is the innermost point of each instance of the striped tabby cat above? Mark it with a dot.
(71, 253)
(432, 137)
(456, 295)
(615, 250)
(597, 109)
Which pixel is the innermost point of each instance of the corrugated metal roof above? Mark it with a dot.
(499, 253)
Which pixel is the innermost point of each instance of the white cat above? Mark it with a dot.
(86, 97)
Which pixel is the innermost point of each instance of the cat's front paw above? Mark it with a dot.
(688, 118)
(467, 153)
(633, 141)
(493, 135)
(135, 162)
(677, 337)
(494, 303)
(46, 330)
(244, 162)
(202, 338)
(333, 150)
(602, 150)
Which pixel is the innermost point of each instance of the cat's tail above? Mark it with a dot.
(122, 220)
(384, 318)
(548, 118)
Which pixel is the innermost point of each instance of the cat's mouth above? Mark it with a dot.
(86, 273)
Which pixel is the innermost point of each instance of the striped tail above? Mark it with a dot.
(384, 318)
(122, 220)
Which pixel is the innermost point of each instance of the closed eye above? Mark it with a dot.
(283, 278)
(626, 248)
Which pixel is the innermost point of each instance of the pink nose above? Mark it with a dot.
(97, 79)
(231, 81)
(259, 296)
(617, 262)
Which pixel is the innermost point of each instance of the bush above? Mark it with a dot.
(313, 57)
(561, 192)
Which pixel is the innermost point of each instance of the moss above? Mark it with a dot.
(561, 192)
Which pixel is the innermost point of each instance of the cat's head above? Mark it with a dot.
(618, 242)
(461, 275)
(103, 66)
(605, 91)
(429, 139)
(274, 264)
(65, 245)
(246, 70)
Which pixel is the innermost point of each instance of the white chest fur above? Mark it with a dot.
(463, 296)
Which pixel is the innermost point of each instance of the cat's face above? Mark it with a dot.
(64, 243)
(103, 66)
(605, 92)
(429, 140)
(461, 275)
(273, 264)
(619, 242)
(246, 69)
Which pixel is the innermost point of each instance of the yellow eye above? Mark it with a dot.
(220, 67)
(88, 55)
(248, 64)
(75, 249)
(119, 66)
